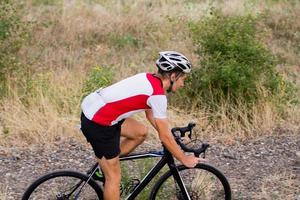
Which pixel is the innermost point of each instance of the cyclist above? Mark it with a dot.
(106, 116)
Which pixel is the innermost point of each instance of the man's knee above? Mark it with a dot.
(113, 174)
(111, 169)
(113, 178)
(143, 133)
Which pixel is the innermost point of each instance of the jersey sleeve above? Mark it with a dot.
(158, 104)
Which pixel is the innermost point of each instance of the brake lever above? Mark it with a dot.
(190, 134)
(191, 126)
(205, 146)
(202, 150)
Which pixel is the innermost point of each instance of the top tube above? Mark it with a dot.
(149, 154)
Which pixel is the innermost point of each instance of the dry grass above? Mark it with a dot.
(284, 39)
(83, 34)
(71, 37)
(49, 112)
(280, 186)
(262, 120)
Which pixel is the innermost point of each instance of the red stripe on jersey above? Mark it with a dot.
(111, 111)
(156, 84)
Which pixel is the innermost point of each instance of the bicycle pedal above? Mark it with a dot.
(97, 175)
(135, 183)
(130, 187)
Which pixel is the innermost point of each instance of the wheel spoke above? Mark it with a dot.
(200, 184)
(63, 186)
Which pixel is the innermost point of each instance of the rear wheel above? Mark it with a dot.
(201, 182)
(61, 185)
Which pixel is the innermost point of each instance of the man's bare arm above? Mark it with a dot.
(169, 142)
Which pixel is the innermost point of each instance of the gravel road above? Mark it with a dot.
(261, 168)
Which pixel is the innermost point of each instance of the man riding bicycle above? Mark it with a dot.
(106, 116)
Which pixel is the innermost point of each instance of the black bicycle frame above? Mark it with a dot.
(166, 158)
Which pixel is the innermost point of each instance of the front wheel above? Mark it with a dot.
(202, 182)
(62, 185)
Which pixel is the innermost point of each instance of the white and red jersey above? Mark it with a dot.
(110, 105)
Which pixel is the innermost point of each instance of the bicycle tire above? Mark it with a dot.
(158, 191)
(36, 190)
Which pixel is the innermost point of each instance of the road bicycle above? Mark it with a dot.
(179, 182)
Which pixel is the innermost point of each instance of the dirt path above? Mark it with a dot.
(264, 168)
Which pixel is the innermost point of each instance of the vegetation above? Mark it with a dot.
(13, 34)
(244, 56)
(97, 78)
(236, 68)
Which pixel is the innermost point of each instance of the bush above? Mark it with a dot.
(45, 2)
(235, 67)
(98, 77)
(122, 41)
(13, 34)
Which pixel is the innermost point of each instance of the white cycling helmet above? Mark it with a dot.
(170, 60)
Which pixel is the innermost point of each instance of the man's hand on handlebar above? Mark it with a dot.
(183, 139)
(191, 161)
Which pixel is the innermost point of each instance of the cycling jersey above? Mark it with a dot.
(110, 105)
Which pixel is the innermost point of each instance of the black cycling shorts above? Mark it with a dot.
(105, 140)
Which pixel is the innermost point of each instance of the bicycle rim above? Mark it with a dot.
(201, 182)
(63, 185)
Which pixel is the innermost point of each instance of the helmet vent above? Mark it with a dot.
(181, 66)
(176, 59)
(165, 65)
(162, 59)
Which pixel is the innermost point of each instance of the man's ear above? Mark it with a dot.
(173, 76)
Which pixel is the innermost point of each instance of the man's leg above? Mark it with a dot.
(112, 173)
(134, 132)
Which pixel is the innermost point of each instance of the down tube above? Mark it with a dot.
(148, 178)
(179, 181)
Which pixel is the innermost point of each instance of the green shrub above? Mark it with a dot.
(121, 41)
(46, 2)
(13, 34)
(235, 66)
(98, 77)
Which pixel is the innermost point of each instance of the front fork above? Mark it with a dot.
(178, 179)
